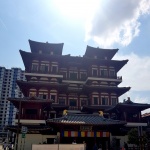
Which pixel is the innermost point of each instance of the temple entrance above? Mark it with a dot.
(102, 142)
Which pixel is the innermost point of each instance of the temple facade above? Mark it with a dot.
(70, 97)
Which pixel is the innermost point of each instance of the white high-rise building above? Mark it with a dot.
(9, 88)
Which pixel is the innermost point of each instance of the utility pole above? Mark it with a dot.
(17, 136)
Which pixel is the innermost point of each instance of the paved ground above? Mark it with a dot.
(1, 147)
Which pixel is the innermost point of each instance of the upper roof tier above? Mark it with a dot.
(66, 60)
(100, 53)
(46, 48)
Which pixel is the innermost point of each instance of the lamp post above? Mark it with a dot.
(17, 136)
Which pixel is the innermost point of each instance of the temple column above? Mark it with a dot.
(125, 116)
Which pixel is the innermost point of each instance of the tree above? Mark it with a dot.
(133, 137)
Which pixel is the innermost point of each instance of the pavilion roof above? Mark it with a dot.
(46, 47)
(30, 100)
(101, 53)
(84, 119)
(128, 106)
(46, 104)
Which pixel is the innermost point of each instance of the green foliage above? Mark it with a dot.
(133, 136)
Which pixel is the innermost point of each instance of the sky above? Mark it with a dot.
(77, 23)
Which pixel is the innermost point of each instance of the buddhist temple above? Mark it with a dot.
(70, 98)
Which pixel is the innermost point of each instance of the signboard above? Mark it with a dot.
(24, 129)
(85, 128)
(58, 147)
(23, 135)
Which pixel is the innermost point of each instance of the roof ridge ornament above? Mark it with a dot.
(65, 112)
(101, 113)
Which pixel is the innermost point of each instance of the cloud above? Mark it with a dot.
(116, 21)
(136, 72)
(136, 75)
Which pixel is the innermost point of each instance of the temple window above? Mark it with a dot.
(54, 69)
(51, 53)
(73, 75)
(83, 75)
(73, 102)
(94, 72)
(95, 100)
(44, 68)
(32, 92)
(111, 73)
(113, 101)
(64, 73)
(53, 95)
(83, 102)
(31, 111)
(104, 100)
(43, 94)
(40, 51)
(103, 72)
(62, 101)
(34, 67)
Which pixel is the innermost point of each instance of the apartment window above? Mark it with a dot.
(73, 102)
(104, 100)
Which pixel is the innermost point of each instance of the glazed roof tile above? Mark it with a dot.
(85, 119)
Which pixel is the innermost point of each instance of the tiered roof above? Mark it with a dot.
(128, 106)
(84, 119)
(65, 60)
(46, 47)
(118, 90)
(101, 53)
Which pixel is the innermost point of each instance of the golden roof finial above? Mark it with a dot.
(101, 113)
(65, 112)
